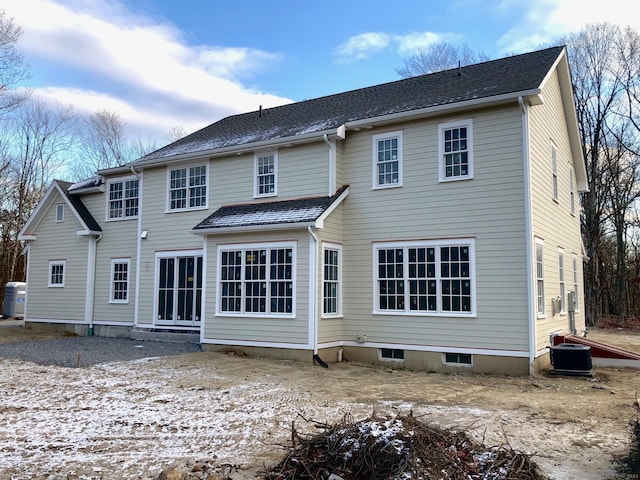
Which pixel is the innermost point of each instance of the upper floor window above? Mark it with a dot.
(266, 175)
(554, 172)
(539, 277)
(387, 160)
(188, 188)
(56, 273)
(431, 277)
(572, 191)
(60, 212)
(123, 199)
(455, 147)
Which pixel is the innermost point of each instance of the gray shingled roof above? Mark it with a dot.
(296, 211)
(518, 73)
(79, 207)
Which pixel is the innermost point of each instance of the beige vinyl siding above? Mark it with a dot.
(329, 329)
(166, 232)
(119, 240)
(57, 241)
(489, 208)
(553, 221)
(263, 329)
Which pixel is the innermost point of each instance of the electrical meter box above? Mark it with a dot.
(15, 294)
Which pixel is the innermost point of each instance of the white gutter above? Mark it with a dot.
(313, 290)
(332, 166)
(136, 300)
(528, 215)
(252, 228)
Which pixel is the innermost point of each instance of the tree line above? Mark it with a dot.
(40, 141)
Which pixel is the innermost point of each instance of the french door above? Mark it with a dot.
(179, 291)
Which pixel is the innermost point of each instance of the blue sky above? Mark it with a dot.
(161, 64)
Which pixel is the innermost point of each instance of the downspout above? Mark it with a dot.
(313, 296)
(528, 214)
(91, 282)
(138, 246)
(331, 166)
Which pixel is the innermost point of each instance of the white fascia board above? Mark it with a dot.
(252, 228)
(244, 148)
(320, 220)
(84, 233)
(450, 107)
(26, 238)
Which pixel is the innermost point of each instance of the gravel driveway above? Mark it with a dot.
(87, 351)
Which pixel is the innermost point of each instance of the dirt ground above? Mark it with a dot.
(237, 411)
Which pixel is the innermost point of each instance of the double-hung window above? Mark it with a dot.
(123, 199)
(257, 280)
(425, 277)
(331, 280)
(455, 148)
(56, 273)
(187, 188)
(387, 160)
(119, 281)
(554, 172)
(266, 175)
(540, 278)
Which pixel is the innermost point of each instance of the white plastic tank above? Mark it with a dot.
(15, 294)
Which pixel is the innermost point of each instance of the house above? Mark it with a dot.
(431, 222)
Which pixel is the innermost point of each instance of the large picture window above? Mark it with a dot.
(455, 147)
(123, 199)
(257, 280)
(426, 277)
(187, 188)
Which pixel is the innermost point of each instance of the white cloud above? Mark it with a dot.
(141, 66)
(545, 21)
(365, 45)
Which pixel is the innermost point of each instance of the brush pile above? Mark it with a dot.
(396, 448)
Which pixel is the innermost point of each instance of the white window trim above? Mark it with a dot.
(257, 246)
(53, 263)
(383, 136)
(572, 191)
(470, 242)
(554, 174)
(123, 181)
(59, 212)
(170, 168)
(175, 254)
(256, 186)
(388, 359)
(539, 314)
(338, 247)
(115, 261)
(468, 123)
(562, 282)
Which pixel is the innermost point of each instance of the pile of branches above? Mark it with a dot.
(396, 448)
(630, 464)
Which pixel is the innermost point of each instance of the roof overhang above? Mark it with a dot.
(253, 228)
(332, 133)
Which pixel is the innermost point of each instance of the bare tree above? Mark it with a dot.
(174, 134)
(40, 139)
(437, 57)
(13, 69)
(103, 143)
(600, 56)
